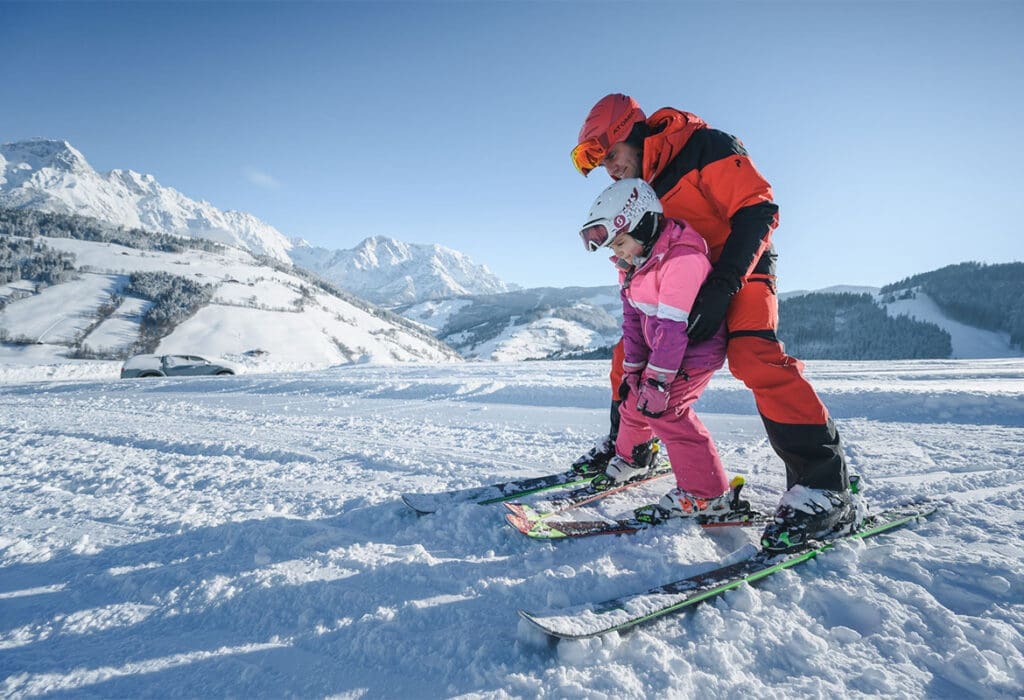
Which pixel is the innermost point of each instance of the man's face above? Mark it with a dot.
(622, 161)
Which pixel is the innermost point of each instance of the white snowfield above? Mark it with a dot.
(243, 537)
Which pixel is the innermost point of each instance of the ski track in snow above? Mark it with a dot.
(243, 537)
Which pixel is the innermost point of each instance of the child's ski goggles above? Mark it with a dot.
(595, 235)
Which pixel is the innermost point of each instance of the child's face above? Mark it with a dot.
(626, 247)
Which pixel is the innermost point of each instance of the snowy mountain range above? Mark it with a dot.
(575, 322)
(524, 325)
(443, 291)
(390, 272)
(53, 176)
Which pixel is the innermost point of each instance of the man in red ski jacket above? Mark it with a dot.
(705, 177)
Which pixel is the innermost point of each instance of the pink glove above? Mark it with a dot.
(652, 399)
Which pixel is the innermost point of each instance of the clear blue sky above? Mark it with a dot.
(891, 131)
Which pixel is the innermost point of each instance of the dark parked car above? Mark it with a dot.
(175, 366)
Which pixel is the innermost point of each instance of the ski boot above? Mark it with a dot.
(620, 470)
(806, 514)
(596, 459)
(678, 503)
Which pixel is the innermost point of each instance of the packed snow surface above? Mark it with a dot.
(243, 536)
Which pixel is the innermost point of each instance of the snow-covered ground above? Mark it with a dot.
(243, 537)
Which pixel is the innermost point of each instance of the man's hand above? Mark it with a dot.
(630, 385)
(709, 307)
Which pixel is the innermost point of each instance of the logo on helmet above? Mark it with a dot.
(615, 132)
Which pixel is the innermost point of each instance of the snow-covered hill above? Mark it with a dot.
(835, 289)
(968, 342)
(390, 272)
(244, 538)
(525, 325)
(51, 175)
(547, 323)
(466, 305)
(264, 315)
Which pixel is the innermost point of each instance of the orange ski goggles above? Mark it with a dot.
(590, 154)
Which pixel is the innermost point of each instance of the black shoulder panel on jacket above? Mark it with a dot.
(705, 146)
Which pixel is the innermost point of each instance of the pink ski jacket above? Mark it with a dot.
(656, 300)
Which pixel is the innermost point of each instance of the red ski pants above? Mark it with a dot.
(758, 359)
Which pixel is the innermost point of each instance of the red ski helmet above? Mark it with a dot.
(609, 122)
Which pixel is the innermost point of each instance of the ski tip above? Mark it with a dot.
(410, 500)
(537, 624)
(534, 624)
(521, 510)
(515, 521)
(534, 529)
(554, 631)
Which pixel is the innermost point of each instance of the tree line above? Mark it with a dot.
(854, 327)
(175, 299)
(30, 223)
(984, 296)
(24, 259)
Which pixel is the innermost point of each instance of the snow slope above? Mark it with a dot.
(52, 175)
(257, 311)
(968, 341)
(243, 537)
(527, 324)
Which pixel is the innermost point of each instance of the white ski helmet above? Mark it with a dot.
(620, 209)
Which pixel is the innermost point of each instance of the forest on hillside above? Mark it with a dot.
(985, 296)
(855, 327)
(30, 223)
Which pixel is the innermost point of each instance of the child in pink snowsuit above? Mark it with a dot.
(662, 264)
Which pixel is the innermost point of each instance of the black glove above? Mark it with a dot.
(710, 306)
(630, 384)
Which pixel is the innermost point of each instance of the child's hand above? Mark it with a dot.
(653, 398)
